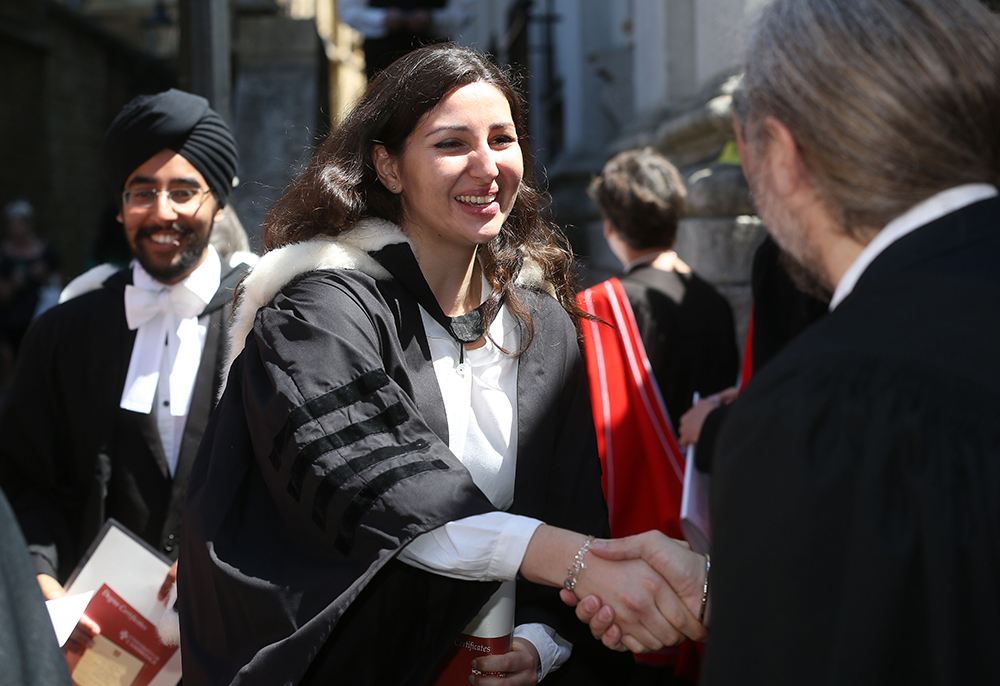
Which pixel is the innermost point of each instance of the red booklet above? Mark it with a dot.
(125, 575)
(128, 651)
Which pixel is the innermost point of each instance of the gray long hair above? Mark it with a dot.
(890, 101)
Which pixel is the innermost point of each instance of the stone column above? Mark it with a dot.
(278, 94)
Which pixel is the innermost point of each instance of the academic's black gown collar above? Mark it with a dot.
(942, 246)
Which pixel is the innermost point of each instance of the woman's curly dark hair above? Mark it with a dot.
(340, 185)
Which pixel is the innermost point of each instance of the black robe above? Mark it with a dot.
(70, 457)
(856, 487)
(328, 454)
(29, 653)
(781, 310)
(687, 330)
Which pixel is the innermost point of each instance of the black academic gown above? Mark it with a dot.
(70, 457)
(781, 310)
(687, 330)
(328, 454)
(29, 653)
(856, 488)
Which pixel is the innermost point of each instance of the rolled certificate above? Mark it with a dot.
(489, 633)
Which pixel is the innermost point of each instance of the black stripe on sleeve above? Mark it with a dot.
(348, 394)
(384, 421)
(367, 496)
(345, 395)
(336, 478)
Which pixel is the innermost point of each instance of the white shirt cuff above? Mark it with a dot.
(553, 649)
(486, 547)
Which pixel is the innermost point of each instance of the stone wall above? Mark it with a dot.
(280, 79)
(63, 80)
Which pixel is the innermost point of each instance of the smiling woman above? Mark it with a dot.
(406, 434)
(458, 179)
(342, 185)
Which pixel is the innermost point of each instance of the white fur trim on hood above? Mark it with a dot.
(349, 250)
(279, 267)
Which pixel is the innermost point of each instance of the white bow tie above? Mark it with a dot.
(142, 305)
(168, 315)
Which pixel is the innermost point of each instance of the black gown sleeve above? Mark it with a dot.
(54, 461)
(29, 654)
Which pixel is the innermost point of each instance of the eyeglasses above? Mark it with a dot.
(181, 198)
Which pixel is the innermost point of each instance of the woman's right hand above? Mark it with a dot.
(647, 610)
(673, 560)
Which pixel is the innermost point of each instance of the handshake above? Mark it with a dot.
(639, 593)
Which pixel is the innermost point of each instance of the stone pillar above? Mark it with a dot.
(207, 25)
(719, 235)
(278, 94)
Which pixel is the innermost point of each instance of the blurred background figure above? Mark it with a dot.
(392, 28)
(784, 304)
(231, 241)
(664, 333)
(29, 280)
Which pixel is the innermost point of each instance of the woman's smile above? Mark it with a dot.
(460, 171)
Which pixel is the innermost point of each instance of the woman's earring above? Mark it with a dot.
(393, 188)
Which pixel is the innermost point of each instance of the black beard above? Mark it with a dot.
(187, 260)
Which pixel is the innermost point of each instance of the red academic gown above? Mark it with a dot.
(643, 464)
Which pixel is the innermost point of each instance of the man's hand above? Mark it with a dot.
(168, 583)
(86, 629)
(650, 613)
(674, 561)
(689, 427)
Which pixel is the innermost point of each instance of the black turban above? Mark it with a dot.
(177, 120)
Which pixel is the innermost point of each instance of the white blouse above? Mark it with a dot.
(479, 388)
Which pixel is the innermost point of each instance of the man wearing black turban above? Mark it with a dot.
(114, 387)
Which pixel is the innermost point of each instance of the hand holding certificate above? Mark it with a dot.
(123, 577)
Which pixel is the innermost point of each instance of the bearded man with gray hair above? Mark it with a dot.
(856, 484)
(856, 496)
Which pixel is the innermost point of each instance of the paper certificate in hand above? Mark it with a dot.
(125, 574)
(105, 663)
(128, 652)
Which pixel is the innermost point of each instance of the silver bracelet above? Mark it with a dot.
(704, 590)
(574, 572)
